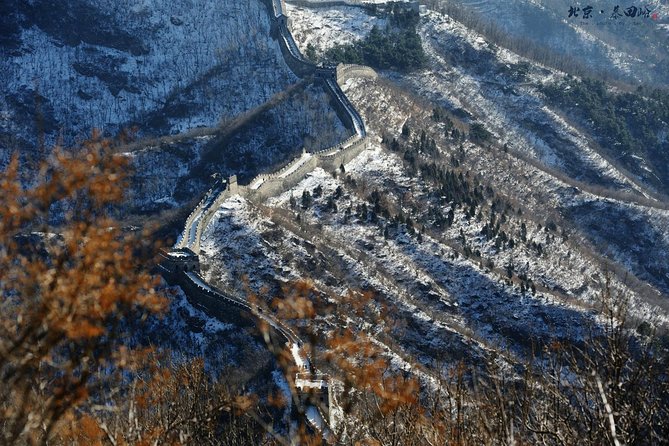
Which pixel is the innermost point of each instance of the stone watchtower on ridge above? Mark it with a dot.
(315, 390)
(179, 260)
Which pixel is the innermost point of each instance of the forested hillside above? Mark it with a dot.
(433, 226)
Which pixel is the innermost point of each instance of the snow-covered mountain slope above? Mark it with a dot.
(163, 66)
(486, 83)
(204, 85)
(329, 26)
(615, 226)
(471, 74)
(546, 161)
(626, 41)
(474, 247)
(173, 173)
(448, 305)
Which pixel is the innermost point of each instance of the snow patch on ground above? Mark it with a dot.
(326, 27)
(218, 62)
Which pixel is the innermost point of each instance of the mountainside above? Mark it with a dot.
(487, 196)
(190, 83)
(620, 41)
(162, 66)
(531, 143)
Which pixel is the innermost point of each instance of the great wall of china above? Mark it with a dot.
(272, 184)
(315, 401)
(181, 264)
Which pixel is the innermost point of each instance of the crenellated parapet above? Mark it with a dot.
(181, 264)
(265, 186)
(189, 234)
(181, 267)
(345, 72)
(179, 260)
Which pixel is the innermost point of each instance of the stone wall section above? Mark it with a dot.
(348, 71)
(267, 185)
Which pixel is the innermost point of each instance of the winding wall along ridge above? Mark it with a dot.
(286, 333)
(266, 185)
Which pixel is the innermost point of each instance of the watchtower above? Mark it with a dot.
(179, 260)
(314, 390)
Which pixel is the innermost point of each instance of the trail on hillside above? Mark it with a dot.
(222, 130)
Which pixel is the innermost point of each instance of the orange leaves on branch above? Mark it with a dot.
(81, 430)
(68, 272)
(244, 403)
(364, 367)
(297, 301)
(397, 391)
(295, 308)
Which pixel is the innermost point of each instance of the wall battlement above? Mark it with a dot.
(345, 72)
(267, 185)
(181, 265)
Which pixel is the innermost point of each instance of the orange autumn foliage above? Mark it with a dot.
(68, 273)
